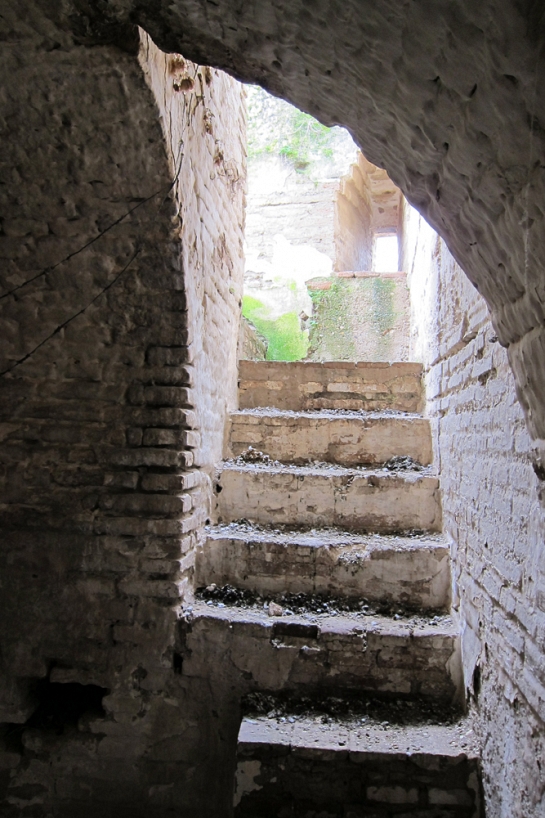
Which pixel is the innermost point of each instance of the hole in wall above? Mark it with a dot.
(476, 682)
(63, 705)
(11, 737)
(177, 663)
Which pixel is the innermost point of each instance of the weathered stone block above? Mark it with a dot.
(348, 439)
(331, 496)
(411, 571)
(302, 386)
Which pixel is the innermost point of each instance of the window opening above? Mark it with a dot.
(386, 254)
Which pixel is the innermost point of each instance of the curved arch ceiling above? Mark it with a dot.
(445, 95)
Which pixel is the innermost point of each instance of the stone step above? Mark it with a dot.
(410, 571)
(372, 500)
(347, 438)
(301, 386)
(356, 770)
(413, 657)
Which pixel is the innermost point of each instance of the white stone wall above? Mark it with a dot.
(294, 205)
(492, 511)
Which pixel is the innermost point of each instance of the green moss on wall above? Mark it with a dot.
(383, 312)
(357, 320)
(286, 341)
(331, 335)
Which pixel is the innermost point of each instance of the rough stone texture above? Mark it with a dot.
(80, 525)
(353, 217)
(206, 142)
(335, 215)
(448, 100)
(491, 507)
(368, 204)
(412, 571)
(105, 251)
(252, 346)
(300, 227)
(345, 438)
(232, 643)
(347, 770)
(299, 209)
(355, 499)
(247, 650)
(360, 316)
(301, 386)
(256, 647)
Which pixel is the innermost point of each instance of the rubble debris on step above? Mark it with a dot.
(289, 604)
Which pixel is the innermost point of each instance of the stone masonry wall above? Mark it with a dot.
(205, 134)
(447, 98)
(334, 781)
(491, 509)
(112, 249)
(294, 206)
(353, 221)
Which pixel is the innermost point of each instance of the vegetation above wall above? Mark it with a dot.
(278, 129)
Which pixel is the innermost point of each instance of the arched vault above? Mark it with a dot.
(447, 97)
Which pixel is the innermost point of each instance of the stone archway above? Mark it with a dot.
(447, 99)
(448, 102)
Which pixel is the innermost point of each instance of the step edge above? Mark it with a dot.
(440, 541)
(332, 470)
(322, 414)
(338, 623)
(290, 739)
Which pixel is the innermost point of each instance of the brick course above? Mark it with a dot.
(102, 424)
(492, 510)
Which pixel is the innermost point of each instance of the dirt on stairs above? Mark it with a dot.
(324, 598)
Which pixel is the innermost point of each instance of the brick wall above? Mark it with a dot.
(491, 509)
(117, 242)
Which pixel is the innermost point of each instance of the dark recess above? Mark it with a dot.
(62, 705)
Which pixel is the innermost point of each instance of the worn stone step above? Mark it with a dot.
(344, 769)
(357, 499)
(411, 571)
(411, 657)
(300, 385)
(347, 438)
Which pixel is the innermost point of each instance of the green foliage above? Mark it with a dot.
(285, 339)
(276, 128)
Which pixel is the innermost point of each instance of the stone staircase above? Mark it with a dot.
(325, 592)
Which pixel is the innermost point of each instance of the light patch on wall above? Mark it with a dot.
(247, 772)
(385, 254)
